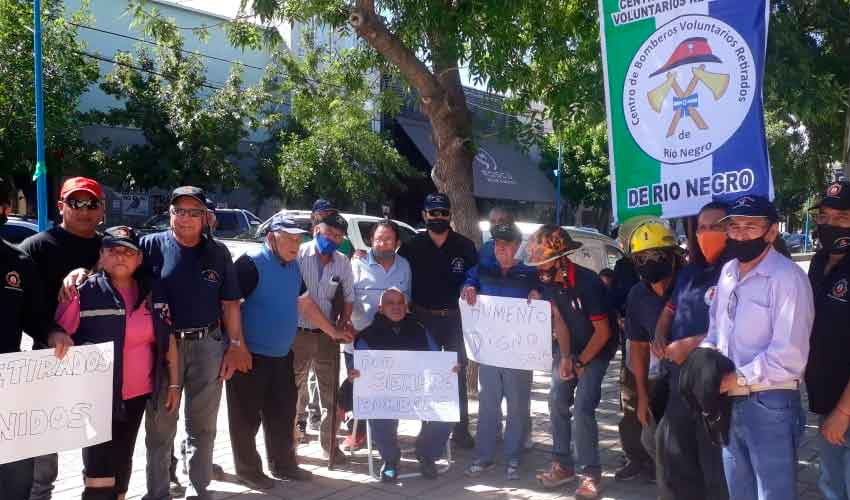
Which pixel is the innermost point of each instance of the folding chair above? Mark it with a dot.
(440, 470)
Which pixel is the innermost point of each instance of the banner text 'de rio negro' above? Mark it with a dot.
(683, 83)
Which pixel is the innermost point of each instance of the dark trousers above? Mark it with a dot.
(16, 479)
(630, 427)
(266, 395)
(115, 458)
(447, 332)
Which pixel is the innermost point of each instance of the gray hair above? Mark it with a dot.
(392, 289)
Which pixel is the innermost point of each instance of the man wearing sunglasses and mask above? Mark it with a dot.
(657, 258)
(828, 372)
(74, 243)
(761, 319)
(439, 260)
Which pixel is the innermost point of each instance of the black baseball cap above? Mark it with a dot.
(190, 191)
(123, 236)
(837, 196)
(436, 201)
(752, 206)
(506, 232)
(335, 220)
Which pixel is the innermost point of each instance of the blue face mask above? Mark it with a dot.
(326, 246)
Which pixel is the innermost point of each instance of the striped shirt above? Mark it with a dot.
(322, 281)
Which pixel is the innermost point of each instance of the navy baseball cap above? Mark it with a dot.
(280, 222)
(322, 205)
(752, 206)
(436, 201)
(837, 196)
(123, 236)
(335, 220)
(506, 232)
(190, 191)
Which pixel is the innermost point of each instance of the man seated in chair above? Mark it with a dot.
(393, 329)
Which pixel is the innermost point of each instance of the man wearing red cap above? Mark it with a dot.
(74, 243)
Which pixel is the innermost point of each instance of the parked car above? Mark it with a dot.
(232, 223)
(18, 228)
(359, 227)
(795, 242)
(596, 253)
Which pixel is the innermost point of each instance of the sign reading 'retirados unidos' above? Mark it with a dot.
(685, 118)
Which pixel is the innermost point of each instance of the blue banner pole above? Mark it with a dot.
(558, 183)
(40, 175)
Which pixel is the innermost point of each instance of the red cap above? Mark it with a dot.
(75, 184)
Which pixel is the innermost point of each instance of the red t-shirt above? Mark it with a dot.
(139, 341)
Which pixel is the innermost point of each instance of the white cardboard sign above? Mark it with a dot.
(508, 333)
(406, 385)
(49, 405)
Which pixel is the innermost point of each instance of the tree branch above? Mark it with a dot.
(369, 26)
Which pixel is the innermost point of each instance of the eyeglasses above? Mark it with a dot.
(647, 256)
(439, 212)
(90, 204)
(188, 212)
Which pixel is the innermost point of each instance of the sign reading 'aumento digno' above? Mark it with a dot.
(683, 83)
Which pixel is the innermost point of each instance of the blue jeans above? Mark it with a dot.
(16, 479)
(200, 363)
(761, 459)
(429, 444)
(495, 383)
(583, 395)
(834, 467)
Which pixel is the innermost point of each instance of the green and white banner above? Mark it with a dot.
(683, 82)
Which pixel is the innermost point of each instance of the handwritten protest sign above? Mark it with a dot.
(406, 385)
(508, 333)
(49, 405)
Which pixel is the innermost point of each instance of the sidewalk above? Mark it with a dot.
(352, 481)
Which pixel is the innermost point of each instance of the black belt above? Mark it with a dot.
(311, 330)
(199, 333)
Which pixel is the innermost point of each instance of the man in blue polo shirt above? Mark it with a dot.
(273, 288)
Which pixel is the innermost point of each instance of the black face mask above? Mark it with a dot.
(655, 271)
(746, 250)
(438, 226)
(834, 239)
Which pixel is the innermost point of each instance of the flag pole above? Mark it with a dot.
(40, 176)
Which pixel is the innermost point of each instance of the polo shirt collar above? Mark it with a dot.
(372, 261)
(766, 267)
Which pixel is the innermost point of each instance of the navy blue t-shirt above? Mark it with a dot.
(695, 289)
(196, 279)
(643, 307)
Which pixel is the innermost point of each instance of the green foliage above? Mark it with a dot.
(329, 147)
(67, 74)
(193, 130)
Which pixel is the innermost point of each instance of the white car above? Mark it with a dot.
(596, 253)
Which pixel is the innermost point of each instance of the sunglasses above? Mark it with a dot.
(188, 212)
(647, 256)
(439, 212)
(90, 204)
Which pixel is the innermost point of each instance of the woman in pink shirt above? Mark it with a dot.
(117, 305)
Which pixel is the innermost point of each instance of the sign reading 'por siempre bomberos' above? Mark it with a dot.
(683, 83)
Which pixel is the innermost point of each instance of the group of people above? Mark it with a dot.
(716, 346)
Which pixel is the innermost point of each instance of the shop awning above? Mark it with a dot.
(501, 171)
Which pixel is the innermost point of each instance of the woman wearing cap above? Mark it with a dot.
(117, 305)
(580, 357)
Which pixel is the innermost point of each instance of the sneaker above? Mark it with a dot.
(477, 468)
(589, 488)
(556, 476)
(630, 471)
(512, 470)
(389, 472)
(257, 481)
(217, 473)
(427, 467)
(293, 473)
(354, 441)
(462, 439)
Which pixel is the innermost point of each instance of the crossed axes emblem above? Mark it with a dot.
(686, 101)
